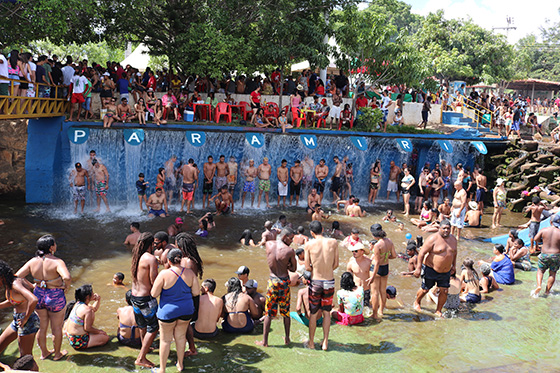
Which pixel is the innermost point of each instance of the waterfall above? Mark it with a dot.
(124, 162)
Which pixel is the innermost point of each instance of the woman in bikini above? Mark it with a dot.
(158, 113)
(470, 283)
(426, 215)
(111, 114)
(140, 109)
(179, 293)
(349, 179)
(107, 88)
(239, 309)
(26, 322)
(79, 327)
(437, 186)
(375, 179)
(160, 180)
(128, 333)
(383, 250)
(52, 280)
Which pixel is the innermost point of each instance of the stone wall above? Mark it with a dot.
(13, 143)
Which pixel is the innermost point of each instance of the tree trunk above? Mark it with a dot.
(281, 89)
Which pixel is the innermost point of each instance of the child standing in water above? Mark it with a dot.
(141, 186)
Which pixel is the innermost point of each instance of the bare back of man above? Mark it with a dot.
(549, 258)
(209, 312)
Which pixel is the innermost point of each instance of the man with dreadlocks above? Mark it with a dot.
(144, 272)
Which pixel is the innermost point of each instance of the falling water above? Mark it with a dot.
(124, 161)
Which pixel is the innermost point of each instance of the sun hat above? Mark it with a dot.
(358, 246)
(178, 221)
(473, 205)
(500, 181)
(299, 87)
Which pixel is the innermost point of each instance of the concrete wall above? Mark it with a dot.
(13, 140)
(411, 110)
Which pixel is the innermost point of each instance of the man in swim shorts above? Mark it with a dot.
(281, 258)
(337, 180)
(393, 183)
(296, 177)
(283, 175)
(537, 207)
(321, 257)
(190, 178)
(156, 203)
(222, 171)
(264, 170)
(459, 205)
(101, 179)
(209, 170)
(144, 271)
(549, 258)
(321, 173)
(438, 257)
(249, 186)
(79, 179)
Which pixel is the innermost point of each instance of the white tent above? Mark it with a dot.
(138, 59)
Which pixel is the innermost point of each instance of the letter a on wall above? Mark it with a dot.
(196, 138)
(78, 135)
(480, 146)
(405, 144)
(359, 142)
(446, 145)
(134, 136)
(256, 140)
(310, 141)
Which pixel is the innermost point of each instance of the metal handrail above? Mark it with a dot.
(470, 104)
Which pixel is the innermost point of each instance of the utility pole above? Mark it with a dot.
(509, 26)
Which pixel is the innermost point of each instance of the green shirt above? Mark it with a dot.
(48, 69)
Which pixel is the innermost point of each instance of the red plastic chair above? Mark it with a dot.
(223, 109)
(351, 122)
(323, 121)
(297, 117)
(248, 111)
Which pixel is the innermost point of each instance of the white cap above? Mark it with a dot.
(500, 181)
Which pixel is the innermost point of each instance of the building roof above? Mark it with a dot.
(537, 84)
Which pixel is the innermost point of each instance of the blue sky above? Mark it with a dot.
(528, 16)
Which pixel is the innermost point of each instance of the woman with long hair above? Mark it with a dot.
(239, 309)
(470, 282)
(140, 109)
(375, 179)
(158, 113)
(26, 322)
(191, 259)
(179, 293)
(52, 280)
(383, 250)
(14, 68)
(79, 327)
(406, 184)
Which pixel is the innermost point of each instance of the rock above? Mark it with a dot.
(529, 145)
(13, 142)
(516, 188)
(518, 162)
(518, 204)
(545, 158)
(555, 151)
(550, 172)
(529, 167)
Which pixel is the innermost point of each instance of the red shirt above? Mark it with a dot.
(275, 76)
(255, 97)
(152, 83)
(361, 102)
(320, 90)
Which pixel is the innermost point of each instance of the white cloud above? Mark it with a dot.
(527, 16)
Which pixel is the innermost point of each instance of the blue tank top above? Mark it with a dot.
(175, 301)
(503, 271)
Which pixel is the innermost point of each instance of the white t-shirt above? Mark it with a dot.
(79, 84)
(67, 74)
(3, 68)
(385, 101)
(32, 67)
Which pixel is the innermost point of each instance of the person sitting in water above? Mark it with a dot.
(411, 258)
(519, 255)
(300, 238)
(389, 216)
(238, 310)
(80, 316)
(470, 283)
(118, 279)
(223, 201)
(202, 228)
(426, 215)
(132, 238)
(400, 226)
(128, 333)
(444, 210)
(335, 231)
(355, 210)
(350, 300)
(269, 234)
(353, 239)
(473, 217)
(487, 282)
(157, 202)
(247, 238)
(209, 312)
(512, 236)
(433, 226)
(345, 203)
(250, 287)
(391, 292)
(502, 267)
(295, 277)
(319, 214)
(453, 301)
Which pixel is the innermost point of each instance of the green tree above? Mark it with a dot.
(66, 21)
(461, 50)
(93, 52)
